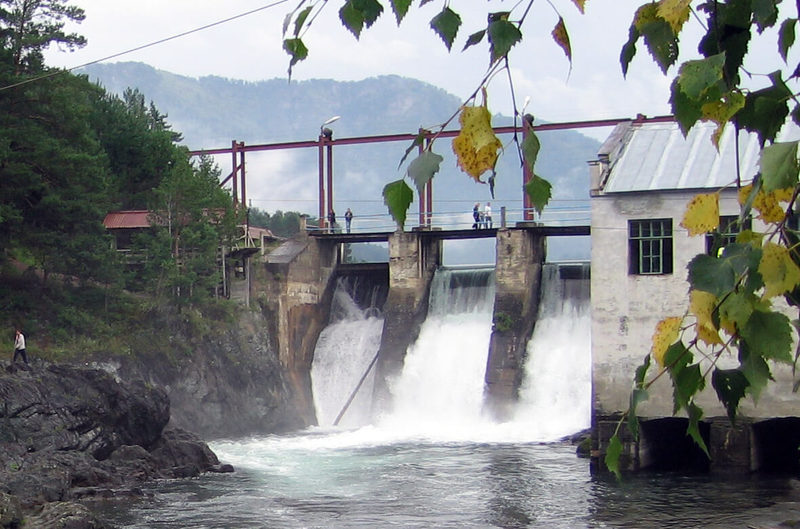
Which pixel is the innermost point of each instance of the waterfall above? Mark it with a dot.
(343, 353)
(439, 393)
(556, 392)
(440, 389)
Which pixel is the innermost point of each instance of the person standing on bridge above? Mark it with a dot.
(331, 221)
(348, 218)
(476, 215)
(487, 215)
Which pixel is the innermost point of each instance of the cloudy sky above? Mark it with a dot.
(249, 48)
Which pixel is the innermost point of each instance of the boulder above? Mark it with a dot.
(71, 433)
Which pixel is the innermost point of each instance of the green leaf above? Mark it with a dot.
(503, 35)
(423, 167)
(474, 39)
(677, 357)
(641, 372)
(613, 451)
(637, 397)
(744, 259)
(786, 37)
(296, 50)
(629, 49)
(765, 13)
(779, 166)
(755, 368)
(728, 31)
(446, 25)
(697, 78)
(539, 191)
(711, 275)
(530, 149)
(695, 414)
(737, 308)
(355, 14)
(370, 10)
(400, 8)
(686, 383)
(686, 111)
(352, 18)
(398, 197)
(769, 334)
(765, 111)
(730, 385)
(661, 42)
(301, 19)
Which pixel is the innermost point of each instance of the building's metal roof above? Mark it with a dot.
(127, 219)
(656, 156)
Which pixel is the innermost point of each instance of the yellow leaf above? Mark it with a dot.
(666, 334)
(702, 214)
(702, 305)
(709, 335)
(778, 270)
(744, 193)
(561, 37)
(581, 5)
(675, 12)
(476, 146)
(767, 204)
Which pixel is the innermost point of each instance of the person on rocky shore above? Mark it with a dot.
(19, 347)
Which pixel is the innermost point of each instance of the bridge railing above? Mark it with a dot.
(565, 215)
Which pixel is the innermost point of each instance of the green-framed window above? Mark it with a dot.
(650, 246)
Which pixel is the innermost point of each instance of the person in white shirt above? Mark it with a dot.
(487, 215)
(19, 347)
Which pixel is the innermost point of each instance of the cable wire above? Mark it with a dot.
(144, 46)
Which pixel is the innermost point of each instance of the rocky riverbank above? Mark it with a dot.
(69, 435)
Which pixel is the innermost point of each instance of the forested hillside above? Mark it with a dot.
(69, 153)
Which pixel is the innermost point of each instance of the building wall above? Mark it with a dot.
(626, 308)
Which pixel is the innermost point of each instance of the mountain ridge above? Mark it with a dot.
(211, 111)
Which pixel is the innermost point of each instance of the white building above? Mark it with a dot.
(644, 177)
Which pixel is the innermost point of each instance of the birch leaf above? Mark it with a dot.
(423, 167)
(675, 12)
(778, 270)
(702, 305)
(702, 214)
(476, 146)
(581, 5)
(561, 37)
(398, 197)
(665, 335)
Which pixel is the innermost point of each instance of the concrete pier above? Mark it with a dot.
(518, 275)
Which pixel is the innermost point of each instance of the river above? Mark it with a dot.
(434, 460)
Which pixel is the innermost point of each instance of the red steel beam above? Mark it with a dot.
(444, 134)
